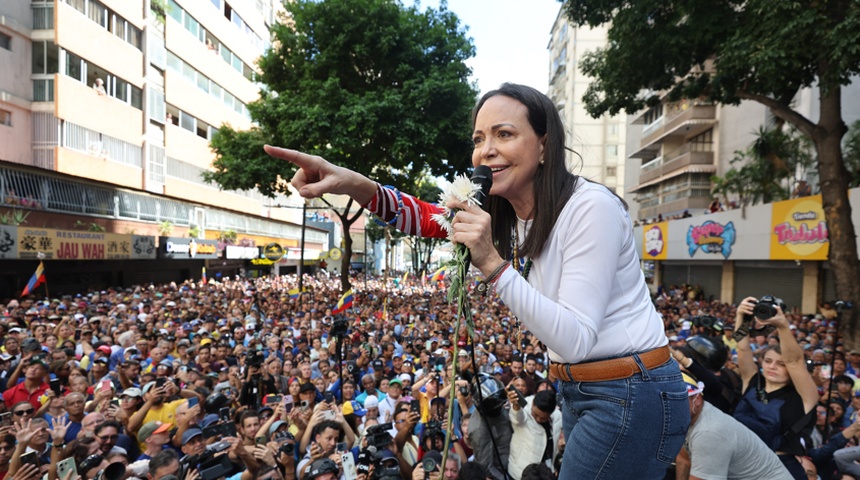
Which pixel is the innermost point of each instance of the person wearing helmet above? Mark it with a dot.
(705, 357)
(490, 423)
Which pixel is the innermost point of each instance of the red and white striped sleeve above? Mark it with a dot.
(414, 219)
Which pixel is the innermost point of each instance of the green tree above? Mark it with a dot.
(767, 170)
(851, 147)
(727, 51)
(367, 84)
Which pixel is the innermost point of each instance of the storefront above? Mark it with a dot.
(777, 249)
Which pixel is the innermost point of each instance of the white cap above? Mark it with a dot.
(405, 377)
(371, 402)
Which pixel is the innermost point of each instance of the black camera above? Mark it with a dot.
(709, 322)
(378, 436)
(255, 359)
(766, 307)
(464, 391)
(338, 327)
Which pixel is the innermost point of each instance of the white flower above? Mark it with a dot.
(443, 221)
(460, 190)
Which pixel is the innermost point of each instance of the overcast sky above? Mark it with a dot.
(510, 38)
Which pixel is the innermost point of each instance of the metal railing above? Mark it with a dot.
(94, 143)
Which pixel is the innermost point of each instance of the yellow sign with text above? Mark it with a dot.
(798, 230)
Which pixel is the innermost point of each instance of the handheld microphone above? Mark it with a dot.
(482, 176)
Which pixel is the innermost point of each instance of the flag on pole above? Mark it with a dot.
(439, 275)
(403, 280)
(37, 279)
(344, 302)
(294, 293)
(203, 276)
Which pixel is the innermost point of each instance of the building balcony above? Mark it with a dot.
(660, 168)
(682, 119)
(675, 206)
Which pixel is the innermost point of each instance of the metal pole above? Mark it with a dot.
(302, 253)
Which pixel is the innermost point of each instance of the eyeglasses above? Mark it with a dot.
(21, 413)
(109, 438)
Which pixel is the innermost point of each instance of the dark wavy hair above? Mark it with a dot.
(553, 183)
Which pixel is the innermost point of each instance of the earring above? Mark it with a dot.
(541, 160)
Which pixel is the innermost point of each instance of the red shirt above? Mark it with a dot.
(19, 393)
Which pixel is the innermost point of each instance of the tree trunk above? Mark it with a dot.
(837, 211)
(346, 260)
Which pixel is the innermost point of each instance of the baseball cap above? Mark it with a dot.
(131, 392)
(377, 365)
(105, 349)
(371, 402)
(307, 387)
(319, 467)
(151, 428)
(191, 433)
(275, 426)
(404, 377)
(353, 407)
(395, 380)
(462, 353)
(694, 387)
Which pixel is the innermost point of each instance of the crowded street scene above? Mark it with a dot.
(163, 378)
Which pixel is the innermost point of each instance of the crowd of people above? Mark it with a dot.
(239, 379)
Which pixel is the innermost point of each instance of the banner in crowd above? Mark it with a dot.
(798, 230)
(28, 243)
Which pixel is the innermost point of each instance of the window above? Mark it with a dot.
(612, 150)
(45, 58)
(73, 66)
(187, 122)
(612, 129)
(5, 118)
(99, 14)
(611, 171)
(79, 5)
(175, 11)
(703, 142)
(5, 41)
(119, 26)
(156, 105)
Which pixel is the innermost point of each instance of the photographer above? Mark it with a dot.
(257, 383)
(404, 423)
(777, 402)
(536, 426)
(705, 358)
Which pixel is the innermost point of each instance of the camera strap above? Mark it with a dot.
(480, 395)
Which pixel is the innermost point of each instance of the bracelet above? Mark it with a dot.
(393, 221)
(484, 285)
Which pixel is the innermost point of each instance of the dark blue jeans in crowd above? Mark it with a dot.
(629, 428)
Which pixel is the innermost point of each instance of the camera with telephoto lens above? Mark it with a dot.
(433, 429)
(764, 309)
(207, 464)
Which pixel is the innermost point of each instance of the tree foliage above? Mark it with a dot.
(728, 51)
(766, 171)
(368, 84)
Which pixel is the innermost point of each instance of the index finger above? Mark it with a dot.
(297, 158)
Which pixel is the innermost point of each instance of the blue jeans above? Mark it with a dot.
(629, 428)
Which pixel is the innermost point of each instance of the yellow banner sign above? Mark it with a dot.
(798, 230)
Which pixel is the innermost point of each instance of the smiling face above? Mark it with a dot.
(506, 142)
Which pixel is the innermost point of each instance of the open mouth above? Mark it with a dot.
(498, 169)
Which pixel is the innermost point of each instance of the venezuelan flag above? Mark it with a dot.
(439, 275)
(344, 302)
(294, 293)
(37, 279)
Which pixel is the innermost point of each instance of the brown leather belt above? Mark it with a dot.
(613, 369)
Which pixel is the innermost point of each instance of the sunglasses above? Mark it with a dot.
(21, 413)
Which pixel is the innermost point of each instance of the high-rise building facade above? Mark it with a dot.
(599, 143)
(107, 108)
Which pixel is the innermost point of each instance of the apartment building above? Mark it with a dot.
(599, 143)
(106, 112)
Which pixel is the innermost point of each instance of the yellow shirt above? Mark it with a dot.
(164, 414)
